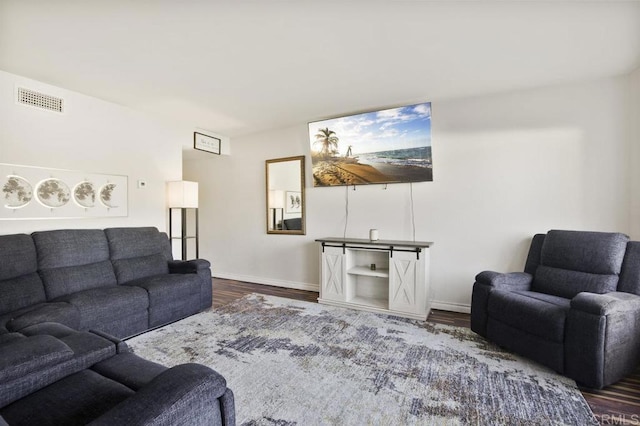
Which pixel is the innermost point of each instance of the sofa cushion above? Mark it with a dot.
(72, 279)
(129, 369)
(100, 305)
(87, 348)
(171, 296)
(592, 252)
(70, 247)
(20, 284)
(565, 283)
(128, 270)
(18, 256)
(138, 252)
(542, 315)
(24, 356)
(60, 312)
(73, 260)
(32, 363)
(20, 292)
(169, 288)
(75, 400)
(125, 243)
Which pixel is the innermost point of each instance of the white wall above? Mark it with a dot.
(505, 167)
(233, 214)
(93, 136)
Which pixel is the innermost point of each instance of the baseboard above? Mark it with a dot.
(268, 281)
(451, 307)
(443, 306)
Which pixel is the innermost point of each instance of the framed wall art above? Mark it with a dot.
(206, 143)
(293, 202)
(41, 193)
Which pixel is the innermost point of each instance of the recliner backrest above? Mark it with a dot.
(20, 284)
(72, 260)
(575, 261)
(533, 258)
(630, 274)
(138, 252)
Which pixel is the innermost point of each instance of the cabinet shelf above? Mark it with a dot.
(370, 302)
(367, 271)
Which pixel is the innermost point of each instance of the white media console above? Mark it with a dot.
(390, 277)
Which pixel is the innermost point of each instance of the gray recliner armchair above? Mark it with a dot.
(575, 308)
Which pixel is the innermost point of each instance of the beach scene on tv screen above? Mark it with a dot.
(387, 146)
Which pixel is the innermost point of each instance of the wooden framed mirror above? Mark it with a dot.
(285, 196)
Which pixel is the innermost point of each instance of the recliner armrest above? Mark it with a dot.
(29, 354)
(606, 304)
(508, 281)
(177, 396)
(188, 266)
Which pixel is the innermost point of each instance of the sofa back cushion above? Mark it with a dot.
(138, 252)
(576, 261)
(73, 260)
(20, 284)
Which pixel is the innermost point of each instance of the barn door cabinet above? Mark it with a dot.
(390, 277)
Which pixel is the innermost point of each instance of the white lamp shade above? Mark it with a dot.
(182, 194)
(276, 199)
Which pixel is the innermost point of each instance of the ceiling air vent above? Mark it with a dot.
(40, 100)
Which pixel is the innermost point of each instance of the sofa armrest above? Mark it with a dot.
(188, 266)
(30, 354)
(606, 304)
(508, 281)
(184, 394)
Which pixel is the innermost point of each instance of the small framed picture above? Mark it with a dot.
(206, 143)
(293, 202)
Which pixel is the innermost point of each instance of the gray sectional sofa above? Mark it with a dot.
(66, 299)
(81, 277)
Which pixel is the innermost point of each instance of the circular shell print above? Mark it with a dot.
(84, 194)
(53, 193)
(17, 192)
(106, 195)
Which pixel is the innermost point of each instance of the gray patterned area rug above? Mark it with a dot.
(298, 363)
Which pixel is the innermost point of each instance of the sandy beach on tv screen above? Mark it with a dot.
(348, 171)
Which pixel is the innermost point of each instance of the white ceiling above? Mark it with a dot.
(238, 67)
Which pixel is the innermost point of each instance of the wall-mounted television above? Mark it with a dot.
(386, 146)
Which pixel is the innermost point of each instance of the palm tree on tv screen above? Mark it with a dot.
(327, 140)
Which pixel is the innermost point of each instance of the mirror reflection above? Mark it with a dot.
(285, 195)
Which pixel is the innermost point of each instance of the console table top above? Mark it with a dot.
(394, 243)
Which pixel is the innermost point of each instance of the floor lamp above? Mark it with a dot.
(182, 196)
(276, 202)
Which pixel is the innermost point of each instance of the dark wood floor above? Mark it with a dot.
(618, 404)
